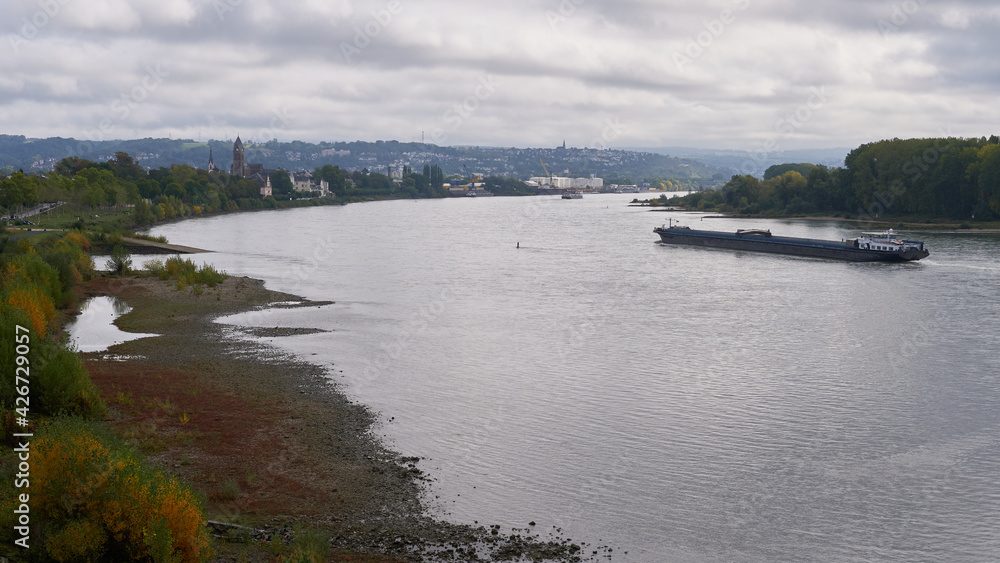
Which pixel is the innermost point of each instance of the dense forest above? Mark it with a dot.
(950, 178)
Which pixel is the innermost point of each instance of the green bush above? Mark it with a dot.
(58, 382)
(120, 262)
(10, 318)
(156, 268)
(61, 383)
(186, 273)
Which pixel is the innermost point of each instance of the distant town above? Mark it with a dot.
(541, 166)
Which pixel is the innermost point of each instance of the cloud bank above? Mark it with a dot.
(760, 75)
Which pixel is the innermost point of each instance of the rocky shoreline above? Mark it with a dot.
(269, 441)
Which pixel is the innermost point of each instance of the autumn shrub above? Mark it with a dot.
(33, 302)
(34, 284)
(78, 239)
(97, 501)
(69, 258)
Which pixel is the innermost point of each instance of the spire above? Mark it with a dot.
(211, 161)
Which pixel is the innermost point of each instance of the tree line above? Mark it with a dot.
(947, 178)
(181, 190)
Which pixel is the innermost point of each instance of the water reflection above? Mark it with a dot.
(94, 329)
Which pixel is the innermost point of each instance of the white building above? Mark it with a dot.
(592, 182)
(568, 183)
(554, 181)
(302, 181)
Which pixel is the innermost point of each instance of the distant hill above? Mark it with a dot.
(747, 162)
(623, 166)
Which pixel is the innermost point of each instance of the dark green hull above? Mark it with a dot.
(762, 241)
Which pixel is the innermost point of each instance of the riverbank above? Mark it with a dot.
(266, 439)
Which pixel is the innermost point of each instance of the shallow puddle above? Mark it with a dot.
(94, 329)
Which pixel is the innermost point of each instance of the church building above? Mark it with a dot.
(255, 172)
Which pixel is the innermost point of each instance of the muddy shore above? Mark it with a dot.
(269, 442)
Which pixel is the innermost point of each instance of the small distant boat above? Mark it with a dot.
(573, 195)
(882, 246)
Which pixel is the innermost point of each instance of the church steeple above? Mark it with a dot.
(239, 168)
(211, 161)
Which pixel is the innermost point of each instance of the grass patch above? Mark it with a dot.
(184, 272)
(309, 546)
(229, 489)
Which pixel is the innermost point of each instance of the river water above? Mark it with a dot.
(94, 329)
(677, 404)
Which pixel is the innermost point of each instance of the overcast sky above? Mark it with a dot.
(760, 75)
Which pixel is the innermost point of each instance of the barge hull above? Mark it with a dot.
(785, 245)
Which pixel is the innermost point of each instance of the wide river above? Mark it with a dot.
(677, 404)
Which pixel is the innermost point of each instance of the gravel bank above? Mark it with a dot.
(270, 442)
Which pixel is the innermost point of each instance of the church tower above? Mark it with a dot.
(239, 168)
(211, 161)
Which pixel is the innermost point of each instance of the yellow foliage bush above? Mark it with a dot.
(77, 239)
(81, 540)
(88, 486)
(35, 304)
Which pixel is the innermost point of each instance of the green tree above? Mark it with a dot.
(94, 196)
(334, 176)
(70, 166)
(124, 166)
(19, 190)
(281, 183)
(111, 197)
(142, 214)
(120, 262)
(779, 169)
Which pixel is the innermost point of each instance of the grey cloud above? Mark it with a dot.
(563, 66)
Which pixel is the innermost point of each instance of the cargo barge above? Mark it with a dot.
(883, 246)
